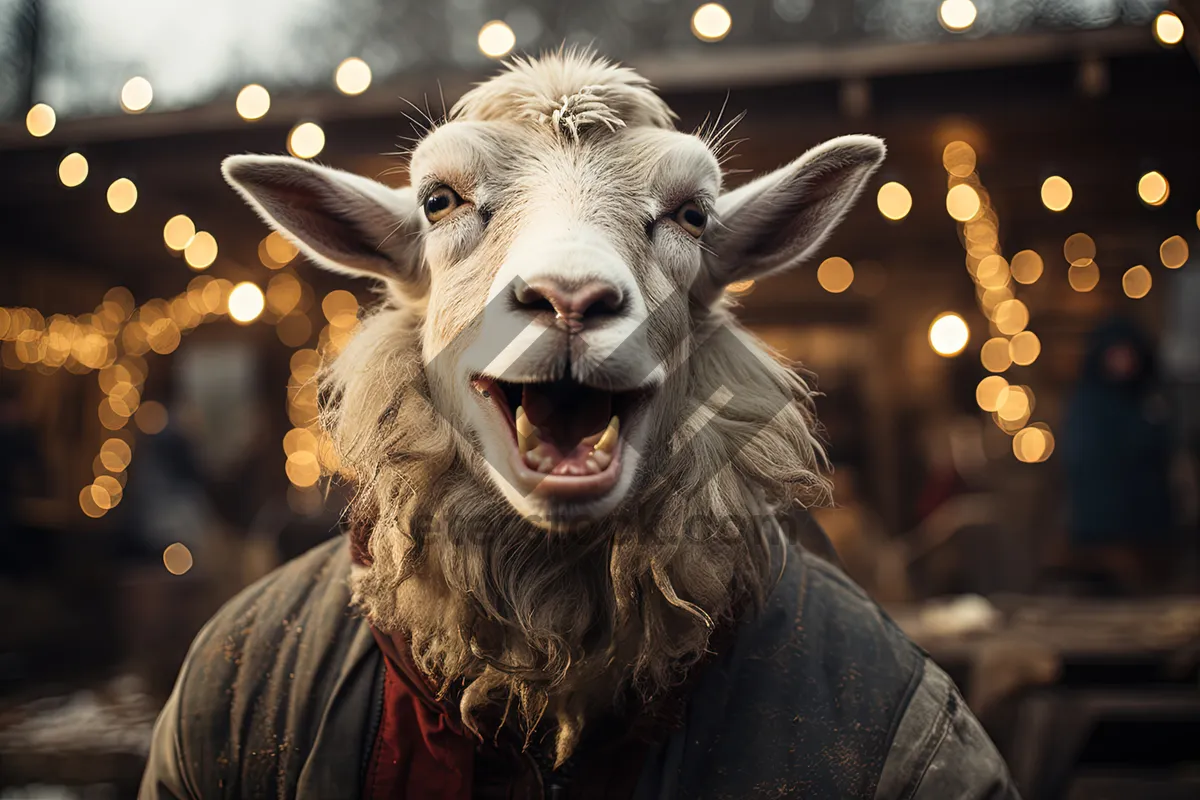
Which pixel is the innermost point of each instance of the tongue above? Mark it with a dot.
(566, 413)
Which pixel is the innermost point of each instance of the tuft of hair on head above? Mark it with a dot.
(569, 91)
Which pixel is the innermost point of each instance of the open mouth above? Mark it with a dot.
(566, 437)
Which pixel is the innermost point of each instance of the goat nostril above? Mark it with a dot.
(577, 303)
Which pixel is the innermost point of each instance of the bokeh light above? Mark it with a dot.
(306, 140)
(962, 202)
(122, 195)
(959, 159)
(1136, 282)
(73, 169)
(835, 275)
(1168, 28)
(1056, 193)
(1079, 249)
(253, 102)
(1030, 445)
(353, 76)
(151, 417)
(201, 251)
(991, 393)
(1026, 267)
(1024, 348)
(496, 39)
(1153, 188)
(246, 303)
(894, 200)
(711, 22)
(179, 231)
(274, 251)
(948, 334)
(40, 120)
(957, 15)
(1085, 278)
(994, 355)
(136, 95)
(1011, 317)
(177, 558)
(1173, 252)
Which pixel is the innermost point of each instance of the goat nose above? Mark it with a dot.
(575, 305)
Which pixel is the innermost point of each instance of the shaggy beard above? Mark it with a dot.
(556, 626)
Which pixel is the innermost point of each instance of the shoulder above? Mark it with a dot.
(249, 696)
(810, 695)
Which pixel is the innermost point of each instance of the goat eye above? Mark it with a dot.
(691, 217)
(440, 202)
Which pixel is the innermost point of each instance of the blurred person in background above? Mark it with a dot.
(1117, 450)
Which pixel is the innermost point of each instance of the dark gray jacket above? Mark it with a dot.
(821, 696)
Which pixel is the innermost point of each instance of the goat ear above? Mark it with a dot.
(343, 222)
(776, 221)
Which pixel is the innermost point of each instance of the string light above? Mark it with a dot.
(1026, 267)
(1136, 282)
(306, 140)
(1084, 278)
(1024, 348)
(1153, 188)
(894, 200)
(353, 76)
(246, 303)
(711, 22)
(40, 120)
(957, 15)
(835, 275)
(177, 558)
(136, 95)
(1173, 252)
(962, 202)
(496, 39)
(948, 334)
(122, 195)
(253, 102)
(73, 169)
(179, 231)
(1056, 193)
(1168, 28)
(201, 251)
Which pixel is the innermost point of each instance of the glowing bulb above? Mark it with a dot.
(246, 302)
(894, 200)
(40, 120)
(994, 355)
(711, 22)
(1024, 348)
(962, 202)
(948, 334)
(1056, 193)
(201, 251)
(1136, 282)
(73, 169)
(136, 95)
(122, 195)
(306, 140)
(1153, 188)
(178, 231)
(959, 159)
(496, 39)
(177, 559)
(353, 76)
(1026, 267)
(1168, 28)
(957, 15)
(835, 275)
(1173, 252)
(253, 102)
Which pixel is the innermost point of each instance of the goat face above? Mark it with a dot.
(566, 246)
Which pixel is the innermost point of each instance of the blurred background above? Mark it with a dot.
(1005, 332)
